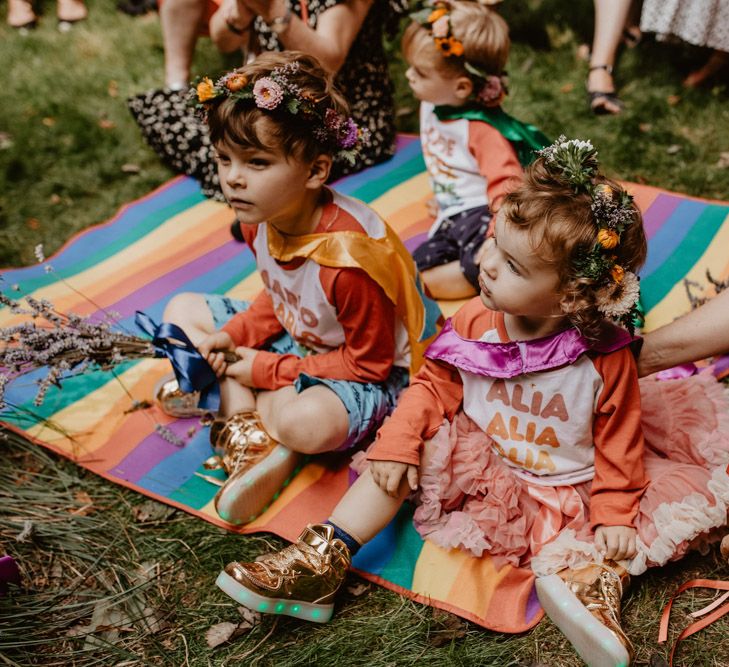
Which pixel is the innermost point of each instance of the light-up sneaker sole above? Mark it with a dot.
(246, 495)
(307, 611)
(596, 644)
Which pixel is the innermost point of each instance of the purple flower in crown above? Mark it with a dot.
(349, 134)
(332, 120)
(267, 93)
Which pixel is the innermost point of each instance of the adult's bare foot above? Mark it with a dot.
(717, 61)
(601, 90)
(71, 11)
(21, 14)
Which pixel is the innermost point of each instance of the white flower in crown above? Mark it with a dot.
(578, 144)
(617, 299)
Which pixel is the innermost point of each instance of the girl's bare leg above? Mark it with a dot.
(366, 509)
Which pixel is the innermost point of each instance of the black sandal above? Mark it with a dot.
(600, 100)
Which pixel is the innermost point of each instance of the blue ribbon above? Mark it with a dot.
(191, 369)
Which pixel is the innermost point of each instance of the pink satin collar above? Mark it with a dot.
(512, 358)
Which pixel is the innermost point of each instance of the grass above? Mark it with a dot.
(113, 578)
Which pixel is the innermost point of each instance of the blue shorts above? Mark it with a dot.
(367, 403)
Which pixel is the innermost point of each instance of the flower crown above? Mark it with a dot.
(275, 92)
(613, 210)
(437, 21)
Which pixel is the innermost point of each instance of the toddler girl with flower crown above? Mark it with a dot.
(325, 348)
(524, 432)
(456, 53)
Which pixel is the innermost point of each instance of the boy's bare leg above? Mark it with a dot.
(447, 282)
(311, 422)
(190, 312)
(366, 509)
(180, 20)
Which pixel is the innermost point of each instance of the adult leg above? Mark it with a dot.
(181, 21)
(610, 17)
(717, 61)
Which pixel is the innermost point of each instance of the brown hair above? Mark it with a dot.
(483, 33)
(562, 229)
(242, 122)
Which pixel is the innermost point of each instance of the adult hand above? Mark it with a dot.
(616, 542)
(213, 347)
(242, 371)
(389, 474)
(266, 9)
(236, 13)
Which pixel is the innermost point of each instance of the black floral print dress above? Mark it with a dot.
(181, 140)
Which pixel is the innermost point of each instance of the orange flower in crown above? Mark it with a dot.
(205, 90)
(437, 13)
(438, 23)
(618, 273)
(608, 238)
(236, 82)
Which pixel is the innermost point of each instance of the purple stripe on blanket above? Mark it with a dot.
(658, 212)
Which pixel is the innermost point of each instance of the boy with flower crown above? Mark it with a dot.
(326, 347)
(474, 151)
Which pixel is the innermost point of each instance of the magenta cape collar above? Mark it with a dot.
(507, 360)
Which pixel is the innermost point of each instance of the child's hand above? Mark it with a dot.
(389, 474)
(242, 371)
(616, 542)
(432, 207)
(212, 349)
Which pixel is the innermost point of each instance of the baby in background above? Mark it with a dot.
(473, 150)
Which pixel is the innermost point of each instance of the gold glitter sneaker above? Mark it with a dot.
(585, 605)
(300, 580)
(175, 402)
(258, 467)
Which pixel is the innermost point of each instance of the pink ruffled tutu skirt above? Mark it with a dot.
(470, 499)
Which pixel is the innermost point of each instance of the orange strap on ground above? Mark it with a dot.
(698, 625)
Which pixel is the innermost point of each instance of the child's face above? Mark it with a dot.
(514, 279)
(262, 185)
(430, 84)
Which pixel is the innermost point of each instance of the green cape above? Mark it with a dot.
(525, 138)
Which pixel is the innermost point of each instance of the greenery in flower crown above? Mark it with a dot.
(575, 161)
(276, 91)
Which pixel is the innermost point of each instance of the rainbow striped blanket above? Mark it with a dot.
(174, 240)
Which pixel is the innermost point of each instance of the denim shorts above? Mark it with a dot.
(367, 403)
